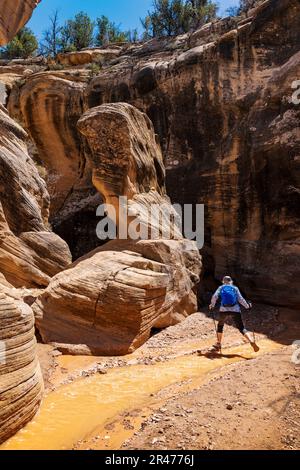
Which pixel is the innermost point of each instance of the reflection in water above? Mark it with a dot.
(74, 411)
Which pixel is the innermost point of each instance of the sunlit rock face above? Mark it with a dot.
(30, 254)
(49, 107)
(109, 301)
(13, 15)
(88, 56)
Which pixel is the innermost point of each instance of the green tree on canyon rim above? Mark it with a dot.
(109, 32)
(167, 18)
(77, 33)
(74, 35)
(173, 17)
(22, 46)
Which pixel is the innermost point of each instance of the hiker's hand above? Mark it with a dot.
(250, 305)
(211, 307)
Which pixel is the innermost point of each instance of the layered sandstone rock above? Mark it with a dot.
(29, 253)
(14, 14)
(49, 106)
(21, 384)
(127, 162)
(108, 302)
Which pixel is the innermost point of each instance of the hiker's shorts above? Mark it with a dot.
(237, 320)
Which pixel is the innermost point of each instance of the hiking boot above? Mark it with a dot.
(216, 348)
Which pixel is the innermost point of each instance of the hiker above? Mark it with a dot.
(231, 298)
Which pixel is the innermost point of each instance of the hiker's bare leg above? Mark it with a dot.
(247, 335)
(220, 338)
(220, 330)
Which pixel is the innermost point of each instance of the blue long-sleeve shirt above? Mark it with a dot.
(235, 308)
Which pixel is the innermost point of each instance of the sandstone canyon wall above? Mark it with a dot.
(13, 15)
(221, 104)
(220, 101)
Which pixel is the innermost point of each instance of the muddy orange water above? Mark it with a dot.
(73, 412)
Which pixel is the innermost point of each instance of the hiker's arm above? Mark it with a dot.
(215, 297)
(242, 301)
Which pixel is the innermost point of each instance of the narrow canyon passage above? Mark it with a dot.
(74, 411)
(159, 127)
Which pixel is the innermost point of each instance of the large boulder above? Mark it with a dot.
(127, 163)
(14, 14)
(21, 383)
(109, 301)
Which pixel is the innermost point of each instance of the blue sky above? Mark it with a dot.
(124, 12)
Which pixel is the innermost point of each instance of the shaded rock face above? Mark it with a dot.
(14, 14)
(20, 376)
(108, 302)
(220, 101)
